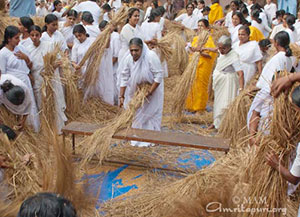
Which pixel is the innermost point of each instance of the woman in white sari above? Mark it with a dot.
(262, 104)
(104, 88)
(143, 66)
(151, 28)
(115, 45)
(88, 23)
(51, 34)
(228, 78)
(152, 33)
(14, 60)
(16, 97)
(129, 31)
(38, 50)
(257, 22)
(237, 21)
(24, 25)
(67, 27)
(249, 54)
(288, 22)
(80, 49)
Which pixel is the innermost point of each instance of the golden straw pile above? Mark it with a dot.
(234, 122)
(70, 81)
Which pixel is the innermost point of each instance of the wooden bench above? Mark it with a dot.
(157, 137)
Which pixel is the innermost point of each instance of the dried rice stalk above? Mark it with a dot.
(296, 51)
(179, 60)
(165, 47)
(39, 21)
(173, 27)
(217, 31)
(70, 80)
(96, 111)
(6, 21)
(94, 54)
(183, 86)
(99, 143)
(2, 5)
(48, 96)
(234, 122)
(285, 122)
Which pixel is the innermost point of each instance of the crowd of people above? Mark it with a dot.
(131, 58)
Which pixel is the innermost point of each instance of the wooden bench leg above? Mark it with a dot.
(73, 142)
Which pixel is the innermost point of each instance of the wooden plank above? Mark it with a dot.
(81, 128)
(157, 137)
(175, 139)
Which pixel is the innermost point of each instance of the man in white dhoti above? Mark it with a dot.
(262, 104)
(143, 66)
(228, 78)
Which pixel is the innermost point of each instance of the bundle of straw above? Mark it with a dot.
(234, 122)
(48, 96)
(217, 31)
(182, 88)
(179, 59)
(39, 21)
(296, 50)
(99, 143)
(95, 111)
(70, 80)
(173, 27)
(285, 122)
(164, 46)
(2, 5)
(94, 54)
(6, 21)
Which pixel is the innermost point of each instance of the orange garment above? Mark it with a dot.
(255, 34)
(216, 13)
(198, 95)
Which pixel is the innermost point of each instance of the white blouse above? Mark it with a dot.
(188, 21)
(57, 37)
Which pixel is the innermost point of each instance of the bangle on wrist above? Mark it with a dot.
(121, 97)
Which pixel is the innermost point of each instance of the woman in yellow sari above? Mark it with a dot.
(198, 96)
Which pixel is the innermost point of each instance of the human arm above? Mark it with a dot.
(273, 161)
(122, 96)
(259, 66)
(23, 56)
(253, 126)
(241, 79)
(152, 88)
(284, 83)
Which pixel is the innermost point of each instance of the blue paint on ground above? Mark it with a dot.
(111, 184)
(200, 159)
(112, 187)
